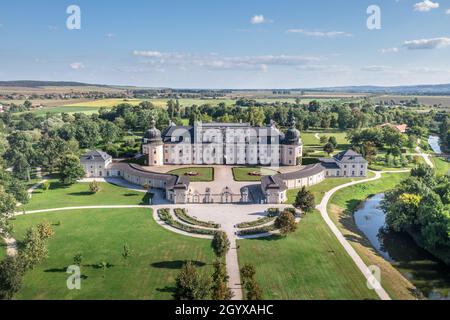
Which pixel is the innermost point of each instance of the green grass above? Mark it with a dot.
(309, 138)
(341, 208)
(2, 249)
(442, 166)
(74, 109)
(99, 235)
(307, 265)
(349, 198)
(205, 174)
(59, 196)
(319, 189)
(243, 173)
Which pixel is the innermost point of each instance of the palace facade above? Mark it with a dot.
(222, 144)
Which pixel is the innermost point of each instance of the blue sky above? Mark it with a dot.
(227, 44)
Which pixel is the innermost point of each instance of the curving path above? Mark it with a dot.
(322, 207)
(425, 157)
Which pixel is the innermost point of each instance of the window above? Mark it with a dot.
(353, 173)
(361, 173)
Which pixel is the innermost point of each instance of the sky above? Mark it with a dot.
(227, 44)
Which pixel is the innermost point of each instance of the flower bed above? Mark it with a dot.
(256, 223)
(183, 216)
(164, 215)
(249, 232)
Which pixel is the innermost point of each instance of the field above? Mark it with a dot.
(71, 110)
(99, 236)
(341, 208)
(59, 196)
(307, 265)
(106, 103)
(204, 174)
(426, 100)
(243, 173)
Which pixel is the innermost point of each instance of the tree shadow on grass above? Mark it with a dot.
(131, 195)
(83, 193)
(63, 270)
(177, 264)
(166, 290)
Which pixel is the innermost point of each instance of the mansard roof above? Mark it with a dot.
(349, 156)
(172, 181)
(95, 156)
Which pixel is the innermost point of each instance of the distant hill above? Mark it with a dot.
(433, 89)
(37, 84)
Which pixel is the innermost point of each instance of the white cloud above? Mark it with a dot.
(77, 66)
(376, 68)
(447, 12)
(110, 35)
(258, 19)
(215, 61)
(425, 6)
(427, 43)
(389, 50)
(320, 34)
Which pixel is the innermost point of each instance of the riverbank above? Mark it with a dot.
(341, 209)
(428, 274)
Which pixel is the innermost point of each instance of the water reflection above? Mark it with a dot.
(435, 144)
(428, 274)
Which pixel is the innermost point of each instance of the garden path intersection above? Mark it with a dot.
(228, 216)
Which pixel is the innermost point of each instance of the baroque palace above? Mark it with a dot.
(230, 144)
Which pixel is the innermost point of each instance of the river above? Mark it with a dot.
(435, 144)
(429, 275)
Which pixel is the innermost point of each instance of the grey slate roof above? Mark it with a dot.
(273, 182)
(172, 181)
(349, 156)
(277, 181)
(305, 172)
(170, 131)
(95, 156)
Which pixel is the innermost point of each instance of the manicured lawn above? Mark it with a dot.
(243, 173)
(59, 196)
(307, 265)
(360, 192)
(442, 166)
(99, 235)
(205, 174)
(309, 138)
(341, 208)
(319, 189)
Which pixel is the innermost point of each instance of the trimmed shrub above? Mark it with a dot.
(183, 216)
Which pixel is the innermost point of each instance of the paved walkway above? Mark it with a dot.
(322, 207)
(228, 215)
(11, 243)
(425, 157)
